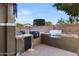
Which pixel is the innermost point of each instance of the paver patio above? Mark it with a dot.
(45, 50)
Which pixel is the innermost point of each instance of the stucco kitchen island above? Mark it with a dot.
(66, 41)
(23, 42)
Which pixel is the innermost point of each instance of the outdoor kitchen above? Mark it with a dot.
(54, 37)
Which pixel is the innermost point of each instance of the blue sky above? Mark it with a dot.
(29, 11)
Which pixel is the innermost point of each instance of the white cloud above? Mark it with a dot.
(55, 11)
(24, 21)
(24, 12)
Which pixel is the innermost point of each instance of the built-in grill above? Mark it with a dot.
(35, 34)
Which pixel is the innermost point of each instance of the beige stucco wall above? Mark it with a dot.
(20, 45)
(68, 28)
(2, 40)
(36, 28)
(2, 28)
(10, 30)
(36, 41)
(11, 17)
(11, 40)
(2, 13)
(7, 32)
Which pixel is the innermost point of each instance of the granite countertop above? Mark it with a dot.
(66, 35)
(22, 36)
(70, 35)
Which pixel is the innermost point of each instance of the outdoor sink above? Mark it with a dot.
(55, 33)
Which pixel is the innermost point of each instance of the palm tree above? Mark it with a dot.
(61, 21)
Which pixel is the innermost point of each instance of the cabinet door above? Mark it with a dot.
(27, 42)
